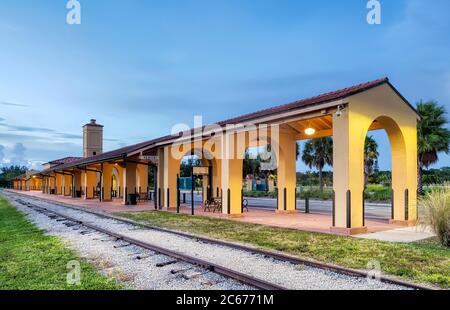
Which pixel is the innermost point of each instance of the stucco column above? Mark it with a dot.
(142, 176)
(59, 184)
(67, 184)
(129, 180)
(90, 180)
(76, 182)
(217, 177)
(171, 169)
(52, 183)
(348, 173)
(231, 176)
(106, 182)
(287, 167)
(411, 178)
(404, 177)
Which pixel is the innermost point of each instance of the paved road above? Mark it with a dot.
(373, 211)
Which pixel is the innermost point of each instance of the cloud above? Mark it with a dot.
(422, 29)
(111, 140)
(25, 128)
(72, 136)
(12, 137)
(10, 104)
(2, 154)
(18, 155)
(68, 135)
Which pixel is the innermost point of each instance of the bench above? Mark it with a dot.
(143, 196)
(214, 203)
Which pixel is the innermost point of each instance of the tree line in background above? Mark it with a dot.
(430, 177)
(7, 173)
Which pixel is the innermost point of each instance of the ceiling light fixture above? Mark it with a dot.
(310, 131)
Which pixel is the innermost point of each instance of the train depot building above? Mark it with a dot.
(347, 115)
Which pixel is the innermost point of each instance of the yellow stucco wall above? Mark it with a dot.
(142, 178)
(107, 173)
(287, 171)
(67, 185)
(350, 131)
(90, 183)
(381, 104)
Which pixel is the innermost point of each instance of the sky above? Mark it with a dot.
(141, 66)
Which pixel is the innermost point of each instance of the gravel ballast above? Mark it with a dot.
(133, 266)
(143, 274)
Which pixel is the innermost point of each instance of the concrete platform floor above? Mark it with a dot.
(405, 234)
(377, 228)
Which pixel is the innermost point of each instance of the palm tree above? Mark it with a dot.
(370, 157)
(317, 153)
(433, 136)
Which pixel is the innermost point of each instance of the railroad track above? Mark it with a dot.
(274, 255)
(223, 271)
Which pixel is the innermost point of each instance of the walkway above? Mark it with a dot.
(377, 229)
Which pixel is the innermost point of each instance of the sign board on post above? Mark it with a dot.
(152, 159)
(200, 170)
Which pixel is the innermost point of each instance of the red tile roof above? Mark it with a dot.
(321, 99)
(64, 160)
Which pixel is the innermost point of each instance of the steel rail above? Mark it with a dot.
(226, 272)
(275, 255)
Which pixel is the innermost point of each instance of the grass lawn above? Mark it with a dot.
(30, 260)
(424, 262)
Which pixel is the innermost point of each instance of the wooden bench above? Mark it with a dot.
(142, 197)
(214, 204)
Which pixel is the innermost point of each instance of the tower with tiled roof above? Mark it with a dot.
(92, 139)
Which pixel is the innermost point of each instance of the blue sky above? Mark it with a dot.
(140, 67)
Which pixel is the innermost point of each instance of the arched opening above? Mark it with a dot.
(257, 165)
(115, 183)
(384, 143)
(259, 177)
(198, 179)
(315, 176)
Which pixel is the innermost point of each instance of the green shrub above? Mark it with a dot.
(436, 205)
(259, 194)
(314, 192)
(377, 193)
(373, 193)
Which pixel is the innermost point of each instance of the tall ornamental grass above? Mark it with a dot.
(436, 207)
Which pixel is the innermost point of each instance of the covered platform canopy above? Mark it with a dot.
(29, 181)
(347, 115)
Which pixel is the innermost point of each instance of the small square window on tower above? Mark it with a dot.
(92, 139)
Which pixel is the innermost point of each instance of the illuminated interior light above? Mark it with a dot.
(310, 131)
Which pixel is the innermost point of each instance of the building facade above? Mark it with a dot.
(347, 115)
